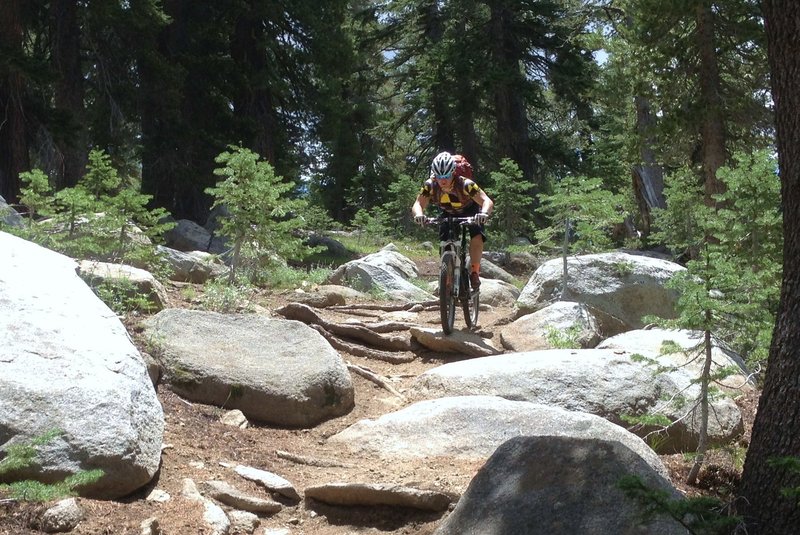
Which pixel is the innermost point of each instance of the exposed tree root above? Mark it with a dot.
(311, 461)
(361, 351)
(306, 314)
(375, 378)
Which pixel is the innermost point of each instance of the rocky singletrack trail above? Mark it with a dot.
(198, 446)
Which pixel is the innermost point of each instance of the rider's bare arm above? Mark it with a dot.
(484, 201)
(419, 205)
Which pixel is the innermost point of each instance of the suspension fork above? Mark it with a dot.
(449, 250)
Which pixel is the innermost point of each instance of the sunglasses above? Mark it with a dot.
(448, 176)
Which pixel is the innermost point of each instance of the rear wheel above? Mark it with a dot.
(447, 303)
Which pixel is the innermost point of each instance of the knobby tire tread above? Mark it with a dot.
(447, 305)
(466, 299)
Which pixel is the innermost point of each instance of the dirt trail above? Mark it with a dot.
(196, 444)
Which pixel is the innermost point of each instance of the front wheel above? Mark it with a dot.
(470, 302)
(447, 301)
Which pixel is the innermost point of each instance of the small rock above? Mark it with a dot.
(228, 495)
(269, 480)
(235, 418)
(63, 516)
(158, 496)
(213, 515)
(150, 526)
(378, 494)
(243, 522)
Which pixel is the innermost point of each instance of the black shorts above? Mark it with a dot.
(474, 230)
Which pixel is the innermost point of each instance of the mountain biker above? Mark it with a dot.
(451, 188)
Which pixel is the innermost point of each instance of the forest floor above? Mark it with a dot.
(196, 443)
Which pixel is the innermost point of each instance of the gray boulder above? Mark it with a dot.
(516, 263)
(559, 486)
(333, 248)
(67, 363)
(140, 283)
(328, 295)
(386, 271)
(372, 494)
(472, 427)
(564, 320)
(607, 383)
(274, 370)
(497, 293)
(187, 235)
(192, 266)
(9, 216)
(459, 342)
(622, 285)
(490, 270)
(657, 342)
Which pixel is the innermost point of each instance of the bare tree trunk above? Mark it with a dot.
(702, 444)
(466, 104)
(776, 431)
(648, 178)
(565, 292)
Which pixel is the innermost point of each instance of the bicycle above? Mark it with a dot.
(454, 275)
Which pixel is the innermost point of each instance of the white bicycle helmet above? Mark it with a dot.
(443, 164)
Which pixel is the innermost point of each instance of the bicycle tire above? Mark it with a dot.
(470, 302)
(447, 303)
(474, 308)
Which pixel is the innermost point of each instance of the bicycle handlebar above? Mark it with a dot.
(461, 220)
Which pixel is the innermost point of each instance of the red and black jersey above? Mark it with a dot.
(453, 202)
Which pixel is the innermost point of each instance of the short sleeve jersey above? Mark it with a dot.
(456, 201)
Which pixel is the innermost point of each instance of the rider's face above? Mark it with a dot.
(445, 181)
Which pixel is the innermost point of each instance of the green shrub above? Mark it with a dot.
(263, 220)
(699, 515)
(23, 455)
(225, 297)
(97, 219)
(564, 339)
(511, 194)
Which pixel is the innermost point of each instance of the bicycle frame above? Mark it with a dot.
(454, 285)
(455, 247)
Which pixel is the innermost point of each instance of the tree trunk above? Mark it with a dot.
(466, 104)
(175, 168)
(713, 126)
(254, 102)
(648, 178)
(512, 119)
(69, 91)
(776, 432)
(443, 132)
(158, 118)
(702, 444)
(13, 130)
